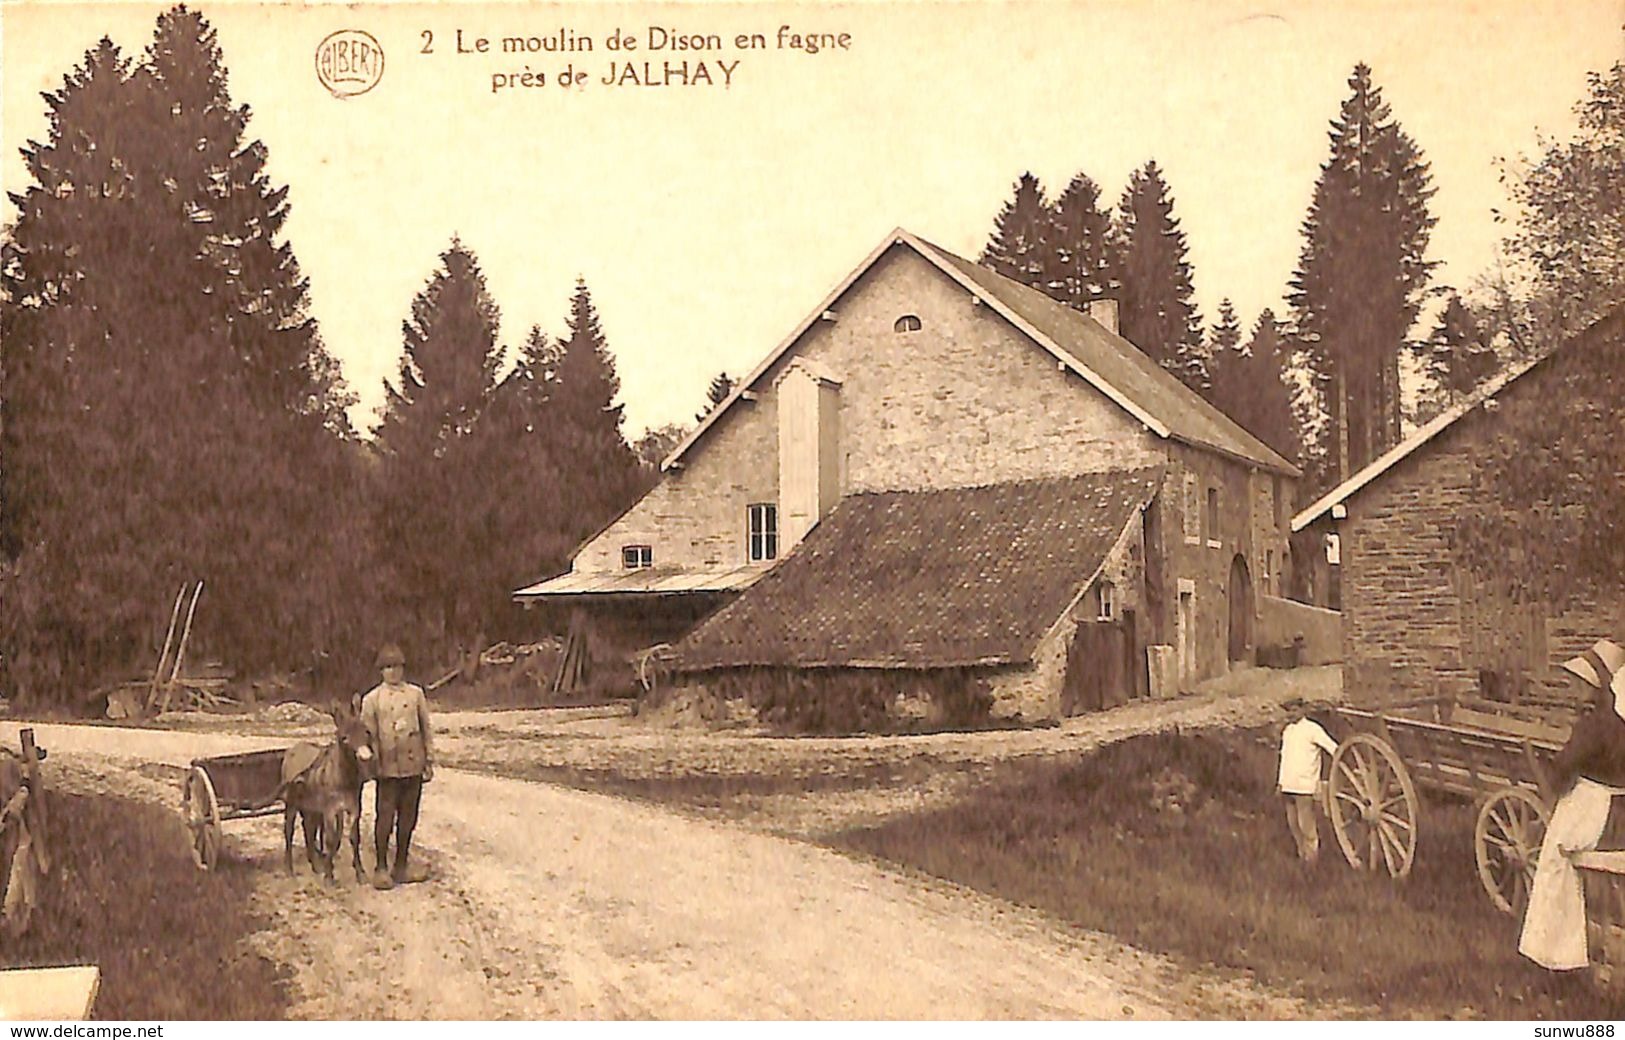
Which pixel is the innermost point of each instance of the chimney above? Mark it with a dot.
(809, 448)
(1105, 312)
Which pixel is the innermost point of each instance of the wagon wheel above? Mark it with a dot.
(1506, 843)
(202, 817)
(1373, 806)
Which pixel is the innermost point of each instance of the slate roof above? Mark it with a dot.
(927, 579)
(1111, 363)
(1186, 414)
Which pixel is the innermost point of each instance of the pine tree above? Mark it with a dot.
(157, 334)
(1227, 362)
(1263, 401)
(1361, 277)
(515, 475)
(722, 384)
(1158, 312)
(278, 391)
(433, 499)
(604, 477)
(1455, 355)
(1080, 254)
(69, 605)
(1018, 244)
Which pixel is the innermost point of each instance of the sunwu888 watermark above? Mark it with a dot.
(1591, 1032)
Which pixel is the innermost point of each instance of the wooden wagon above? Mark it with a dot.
(229, 787)
(1495, 754)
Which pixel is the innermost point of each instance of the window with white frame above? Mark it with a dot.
(637, 557)
(1193, 510)
(1107, 594)
(762, 524)
(1212, 517)
(907, 323)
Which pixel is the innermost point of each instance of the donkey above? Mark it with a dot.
(322, 786)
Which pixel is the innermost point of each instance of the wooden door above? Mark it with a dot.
(1097, 672)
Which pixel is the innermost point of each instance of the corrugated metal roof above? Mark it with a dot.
(927, 579)
(644, 581)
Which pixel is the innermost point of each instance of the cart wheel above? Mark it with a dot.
(202, 817)
(1373, 806)
(1506, 843)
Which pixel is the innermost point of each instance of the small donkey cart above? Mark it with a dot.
(1495, 754)
(229, 787)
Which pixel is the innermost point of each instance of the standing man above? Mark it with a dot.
(1303, 743)
(396, 713)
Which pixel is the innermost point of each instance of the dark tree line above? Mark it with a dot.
(168, 411)
(1076, 251)
(1324, 386)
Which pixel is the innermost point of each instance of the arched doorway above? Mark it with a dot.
(1241, 609)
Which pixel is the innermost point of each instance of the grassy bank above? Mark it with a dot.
(124, 895)
(1179, 845)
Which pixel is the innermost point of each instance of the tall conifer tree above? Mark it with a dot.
(430, 513)
(1158, 312)
(1361, 277)
(1227, 362)
(1018, 246)
(604, 477)
(1080, 254)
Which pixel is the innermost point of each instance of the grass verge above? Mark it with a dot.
(1180, 845)
(171, 941)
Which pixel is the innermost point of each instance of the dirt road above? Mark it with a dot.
(554, 903)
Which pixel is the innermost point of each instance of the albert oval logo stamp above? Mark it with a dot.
(349, 62)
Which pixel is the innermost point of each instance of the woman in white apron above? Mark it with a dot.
(1587, 773)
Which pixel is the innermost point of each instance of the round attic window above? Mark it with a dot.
(907, 323)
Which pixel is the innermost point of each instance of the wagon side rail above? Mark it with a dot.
(1457, 758)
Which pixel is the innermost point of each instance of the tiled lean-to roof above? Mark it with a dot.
(928, 579)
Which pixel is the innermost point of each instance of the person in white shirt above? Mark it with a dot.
(1302, 744)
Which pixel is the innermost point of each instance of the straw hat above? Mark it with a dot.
(390, 654)
(1598, 666)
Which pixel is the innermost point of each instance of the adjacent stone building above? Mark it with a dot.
(1416, 622)
(941, 470)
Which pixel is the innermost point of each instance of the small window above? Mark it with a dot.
(1212, 518)
(763, 523)
(907, 323)
(1108, 602)
(637, 557)
(1269, 570)
(1193, 511)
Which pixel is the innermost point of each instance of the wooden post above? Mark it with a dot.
(38, 824)
(180, 651)
(163, 656)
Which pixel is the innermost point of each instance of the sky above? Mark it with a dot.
(708, 220)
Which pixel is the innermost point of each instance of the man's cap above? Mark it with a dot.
(390, 654)
(1599, 664)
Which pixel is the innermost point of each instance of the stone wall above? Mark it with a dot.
(1281, 620)
(1416, 625)
(965, 401)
